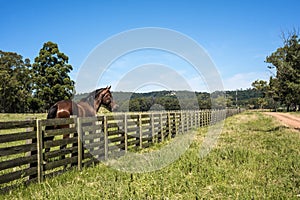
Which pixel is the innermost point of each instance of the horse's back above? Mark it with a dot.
(63, 109)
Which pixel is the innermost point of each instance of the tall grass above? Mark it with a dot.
(255, 158)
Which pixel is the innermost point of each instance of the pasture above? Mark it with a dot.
(255, 158)
(13, 116)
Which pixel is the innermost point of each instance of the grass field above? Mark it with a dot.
(255, 158)
(296, 113)
(13, 116)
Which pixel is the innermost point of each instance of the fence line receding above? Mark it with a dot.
(27, 156)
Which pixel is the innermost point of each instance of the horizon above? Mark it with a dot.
(145, 92)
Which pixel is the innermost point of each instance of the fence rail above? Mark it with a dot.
(26, 155)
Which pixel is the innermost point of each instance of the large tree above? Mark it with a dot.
(286, 60)
(51, 77)
(15, 82)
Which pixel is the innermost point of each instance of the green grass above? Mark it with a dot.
(13, 117)
(296, 113)
(255, 158)
(4, 117)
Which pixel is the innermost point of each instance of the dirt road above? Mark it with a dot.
(287, 119)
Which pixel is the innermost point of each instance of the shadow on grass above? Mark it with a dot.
(280, 128)
(277, 128)
(271, 129)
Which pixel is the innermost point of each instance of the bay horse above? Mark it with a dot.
(86, 107)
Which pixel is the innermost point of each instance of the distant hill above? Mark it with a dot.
(179, 100)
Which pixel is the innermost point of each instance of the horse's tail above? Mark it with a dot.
(52, 112)
(51, 115)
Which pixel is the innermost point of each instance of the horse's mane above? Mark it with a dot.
(91, 96)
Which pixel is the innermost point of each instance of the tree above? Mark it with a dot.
(15, 82)
(261, 86)
(286, 60)
(134, 105)
(272, 93)
(51, 81)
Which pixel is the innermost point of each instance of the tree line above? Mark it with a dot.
(184, 100)
(34, 87)
(282, 90)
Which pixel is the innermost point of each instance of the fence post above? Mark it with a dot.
(207, 118)
(188, 120)
(74, 117)
(105, 137)
(192, 119)
(125, 132)
(195, 119)
(140, 130)
(169, 125)
(183, 115)
(161, 128)
(201, 118)
(204, 117)
(152, 128)
(176, 124)
(30, 153)
(39, 136)
(80, 144)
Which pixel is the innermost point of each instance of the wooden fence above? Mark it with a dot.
(26, 155)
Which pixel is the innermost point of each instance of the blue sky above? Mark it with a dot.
(237, 35)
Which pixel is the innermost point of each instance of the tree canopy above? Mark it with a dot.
(283, 88)
(286, 83)
(50, 72)
(26, 87)
(15, 85)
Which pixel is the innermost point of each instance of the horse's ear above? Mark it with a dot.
(108, 87)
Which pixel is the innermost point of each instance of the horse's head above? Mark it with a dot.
(104, 97)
